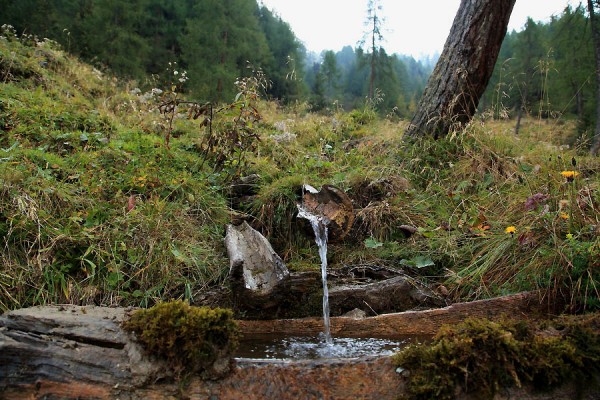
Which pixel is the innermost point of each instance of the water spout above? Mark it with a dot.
(319, 225)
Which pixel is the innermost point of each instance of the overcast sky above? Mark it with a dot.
(416, 28)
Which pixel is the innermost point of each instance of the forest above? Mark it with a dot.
(137, 139)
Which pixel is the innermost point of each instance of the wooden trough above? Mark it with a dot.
(74, 352)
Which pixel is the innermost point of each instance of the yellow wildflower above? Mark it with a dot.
(570, 175)
(510, 229)
(564, 215)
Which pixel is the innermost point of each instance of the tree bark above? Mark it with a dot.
(596, 39)
(464, 68)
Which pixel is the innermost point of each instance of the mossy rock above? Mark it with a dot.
(190, 339)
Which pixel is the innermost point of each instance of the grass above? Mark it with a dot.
(95, 208)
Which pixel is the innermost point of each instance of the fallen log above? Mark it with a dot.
(399, 293)
(420, 323)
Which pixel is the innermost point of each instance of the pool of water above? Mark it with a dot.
(273, 347)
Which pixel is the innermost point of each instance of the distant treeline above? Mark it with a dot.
(342, 78)
(215, 41)
(546, 69)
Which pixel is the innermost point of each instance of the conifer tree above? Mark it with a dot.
(593, 9)
(286, 60)
(374, 35)
(330, 73)
(223, 38)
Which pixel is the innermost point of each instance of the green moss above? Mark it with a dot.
(481, 356)
(191, 339)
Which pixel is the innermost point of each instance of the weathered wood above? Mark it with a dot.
(67, 343)
(333, 204)
(69, 352)
(420, 323)
(255, 269)
(593, 8)
(301, 295)
(399, 293)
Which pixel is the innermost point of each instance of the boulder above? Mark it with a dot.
(255, 269)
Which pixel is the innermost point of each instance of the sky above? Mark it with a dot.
(417, 28)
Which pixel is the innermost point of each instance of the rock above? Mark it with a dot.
(242, 191)
(369, 191)
(252, 260)
(334, 204)
(245, 186)
(357, 313)
(408, 230)
(284, 138)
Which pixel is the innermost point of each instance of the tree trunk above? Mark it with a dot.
(596, 38)
(464, 68)
(522, 105)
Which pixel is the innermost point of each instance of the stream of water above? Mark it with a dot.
(273, 347)
(319, 225)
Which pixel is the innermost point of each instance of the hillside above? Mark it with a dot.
(110, 196)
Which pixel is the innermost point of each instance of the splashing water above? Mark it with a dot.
(276, 347)
(319, 225)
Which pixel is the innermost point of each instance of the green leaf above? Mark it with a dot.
(525, 168)
(92, 266)
(113, 278)
(426, 233)
(417, 262)
(423, 261)
(179, 256)
(371, 243)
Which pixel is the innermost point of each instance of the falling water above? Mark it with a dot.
(319, 225)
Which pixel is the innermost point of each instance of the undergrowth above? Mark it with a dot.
(94, 208)
(114, 196)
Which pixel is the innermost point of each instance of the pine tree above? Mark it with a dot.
(222, 39)
(330, 74)
(286, 62)
(374, 35)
